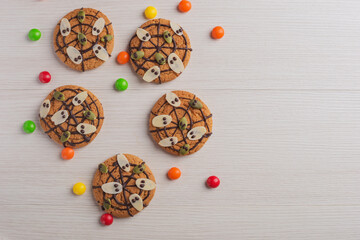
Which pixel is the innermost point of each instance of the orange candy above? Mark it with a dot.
(217, 32)
(184, 6)
(123, 57)
(174, 173)
(67, 153)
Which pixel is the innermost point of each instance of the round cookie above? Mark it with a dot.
(180, 123)
(72, 116)
(160, 51)
(84, 39)
(123, 185)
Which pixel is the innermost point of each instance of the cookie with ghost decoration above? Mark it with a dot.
(160, 50)
(123, 185)
(72, 116)
(84, 39)
(180, 123)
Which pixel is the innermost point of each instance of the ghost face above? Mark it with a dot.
(79, 98)
(161, 121)
(45, 108)
(145, 184)
(196, 133)
(74, 55)
(123, 162)
(168, 142)
(173, 99)
(112, 187)
(143, 35)
(151, 74)
(85, 128)
(100, 52)
(175, 63)
(136, 202)
(65, 27)
(176, 28)
(60, 116)
(98, 26)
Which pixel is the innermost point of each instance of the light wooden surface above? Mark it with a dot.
(284, 88)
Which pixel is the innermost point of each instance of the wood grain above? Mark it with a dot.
(283, 86)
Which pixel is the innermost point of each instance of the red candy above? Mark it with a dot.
(106, 219)
(213, 182)
(44, 77)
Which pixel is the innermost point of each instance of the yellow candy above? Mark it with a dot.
(79, 188)
(150, 12)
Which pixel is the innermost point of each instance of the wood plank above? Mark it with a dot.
(282, 85)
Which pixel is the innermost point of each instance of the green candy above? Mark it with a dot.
(160, 58)
(107, 203)
(183, 123)
(184, 149)
(139, 169)
(137, 55)
(81, 16)
(195, 104)
(106, 38)
(65, 136)
(167, 36)
(103, 168)
(29, 126)
(121, 84)
(59, 96)
(34, 34)
(82, 38)
(89, 115)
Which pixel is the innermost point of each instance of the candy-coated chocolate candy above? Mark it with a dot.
(121, 84)
(184, 6)
(44, 77)
(67, 153)
(174, 173)
(150, 12)
(123, 57)
(34, 34)
(213, 182)
(217, 32)
(29, 126)
(79, 188)
(106, 219)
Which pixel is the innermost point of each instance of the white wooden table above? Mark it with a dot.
(284, 88)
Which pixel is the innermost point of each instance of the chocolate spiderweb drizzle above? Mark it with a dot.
(157, 48)
(124, 180)
(175, 125)
(80, 27)
(74, 118)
